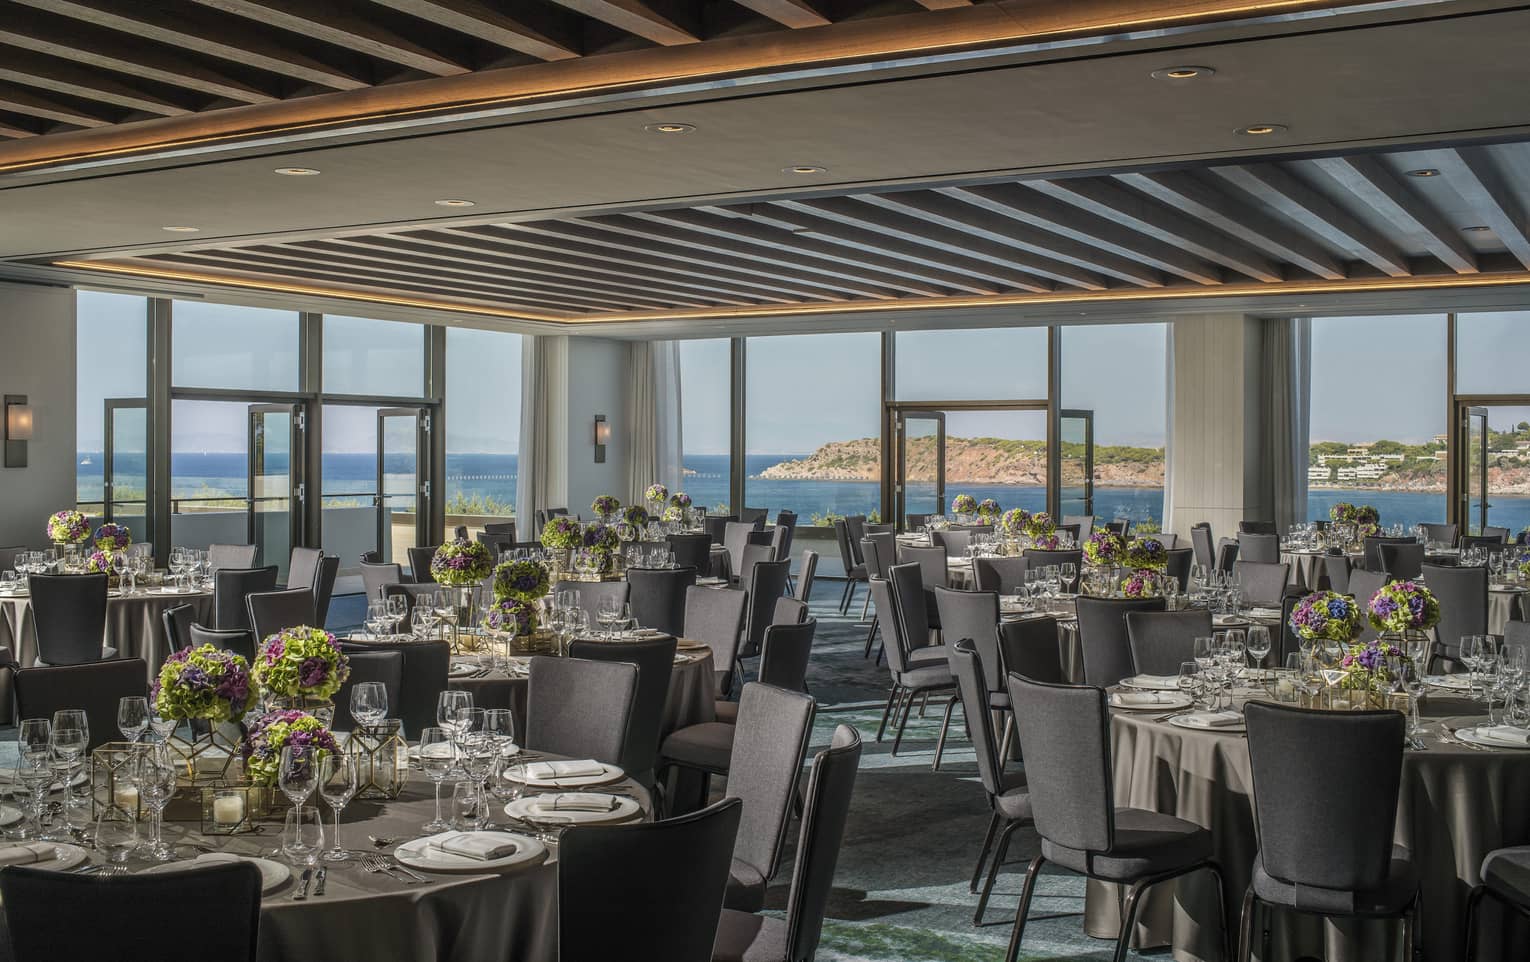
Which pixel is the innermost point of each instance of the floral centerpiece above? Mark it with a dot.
(1104, 549)
(561, 533)
(1015, 521)
(1326, 616)
(207, 683)
(656, 494)
(637, 516)
(1147, 553)
(680, 500)
(1523, 561)
(521, 581)
(1342, 513)
(1040, 525)
(113, 537)
(1403, 606)
(264, 740)
(964, 504)
(99, 562)
(606, 506)
(512, 616)
(1047, 542)
(988, 509)
(1367, 515)
(300, 666)
(460, 562)
(68, 527)
(1141, 583)
(673, 515)
(601, 538)
(1364, 668)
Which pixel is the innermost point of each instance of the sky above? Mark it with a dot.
(1378, 377)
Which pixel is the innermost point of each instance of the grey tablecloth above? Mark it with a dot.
(1502, 608)
(1457, 804)
(1307, 568)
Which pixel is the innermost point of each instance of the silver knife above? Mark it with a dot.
(319, 880)
(302, 892)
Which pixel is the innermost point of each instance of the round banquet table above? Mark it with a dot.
(507, 916)
(1456, 804)
(1503, 603)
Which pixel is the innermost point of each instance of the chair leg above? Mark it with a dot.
(1246, 925)
(881, 649)
(908, 703)
(977, 873)
(1216, 875)
(993, 871)
(871, 637)
(1473, 904)
(844, 597)
(945, 726)
(866, 605)
(892, 699)
(1018, 932)
(924, 702)
(1009, 734)
(1129, 918)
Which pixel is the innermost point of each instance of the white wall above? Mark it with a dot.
(597, 373)
(37, 346)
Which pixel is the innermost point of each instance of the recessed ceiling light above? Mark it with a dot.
(1182, 73)
(1424, 172)
(669, 128)
(1262, 130)
(804, 169)
(454, 202)
(181, 230)
(1477, 228)
(298, 171)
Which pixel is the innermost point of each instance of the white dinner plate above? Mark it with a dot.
(522, 808)
(685, 658)
(10, 815)
(1196, 721)
(1229, 621)
(609, 774)
(1487, 738)
(1149, 700)
(65, 857)
(1151, 683)
(417, 853)
(273, 874)
(505, 750)
(8, 780)
(462, 669)
(1450, 682)
(690, 644)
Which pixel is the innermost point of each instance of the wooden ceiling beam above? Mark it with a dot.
(62, 77)
(480, 20)
(634, 17)
(147, 24)
(1274, 187)
(1372, 182)
(796, 14)
(31, 105)
(1113, 202)
(6, 130)
(1475, 176)
(329, 23)
(1194, 196)
(944, 4)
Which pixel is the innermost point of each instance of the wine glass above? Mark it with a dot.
(369, 703)
(1204, 650)
(35, 774)
(607, 614)
(397, 608)
(162, 727)
(1258, 645)
(72, 718)
(436, 759)
(448, 703)
(303, 836)
(66, 751)
(377, 618)
(479, 750)
(500, 724)
(1190, 680)
(156, 775)
(1069, 574)
(466, 721)
(133, 717)
(337, 786)
(299, 773)
(119, 566)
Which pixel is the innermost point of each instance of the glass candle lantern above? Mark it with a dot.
(382, 759)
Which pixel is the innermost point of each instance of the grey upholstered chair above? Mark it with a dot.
(1371, 559)
(177, 621)
(1260, 548)
(787, 520)
(374, 576)
(855, 569)
(658, 597)
(1494, 531)
(1102, 636)
(1505, 876)
(1338, 568)
(716, 526)
(788, 611)
(426, 664)
(1288, 641)
(1163, 640)
(1004, 575)
(1463, 596)
(766, 585)
(692, 551)
(716, 617)
(735, 538)
(785, 654)
(382, 666)
(807, 570)
(1445, 533)
(754, 516)
(764, 766)
(1325, 788)
(825, 809)
(743, 571)
(231, 555)
(592, 593)
(1257, 527)
(954, 541)
(1227, 554)
(324, 588)
(655, 660)
(673, 914)
(931, 560)
(241, 641)
(500, 527)
(911, 677)
(856, 528)
(1119, 527)
(1364, 584)
(879, 552)
(972, 616)
(69, 616)
(580, 708)
(1170, 539)
(1006, 792)
(1177, 564)
(1065, 736)
(419, 565)
(1264, 583)
(1491, 542)
(95, 687)
(1082, 524)
(1040, 558)
(496, 543)
(303, 568)
(913, 522)
(274, 611)
(231, 586)
(1401, 561)
(1204, 547)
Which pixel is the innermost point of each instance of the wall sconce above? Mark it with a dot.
(602, 438)
(18, 430)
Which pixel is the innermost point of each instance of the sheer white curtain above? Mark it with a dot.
(1285, 416)
(653, 411)
(543, 467)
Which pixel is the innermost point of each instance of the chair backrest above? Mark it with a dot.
(736, 539)
(1494, 531)
(842, 540)
(930, 559)
(786, 520)
(1516, 634)
(375, 576)
(1440, 532)
(654, 659)
(766, 584)
(1082, 524)
(890, 624)
(856, 524)
(912, 606)
(592, 593)
(324, 588)
(500, 527)
(419, 565)
(879, 552)
(769, 743)
(1288, 641)
(496, 543)
(1170, 540)
(1064, 733)
(825, 810)
(657, 597)
(1401, 561)
(1004, 575)
(778, 538)
(754, 517)
(409, 592)
(177, 621)
(692, 551)
(384, 666)
(717, 525)
(274, 611)
(241, 641)
(1177, 565)
(1205, 550)
(1338, 568)
(1371, 560)
(580, 708)
(1038, 558)
(1029, 647)
(716, 616)
(1489, 541)
(96, 687)
(1162, 640)
(231, 555)
(1264, 583)
(808, 568)
(785, 653)
(1260, 548)
(913, 522)
(1227, 555)
(973, 683)
(954, 541)
(1363, 585)
(1463, 596)
(1257, 527)
(230, 588)
(303, 568)
(426, 664)
(973, 615)
(753, 555)
(673, 914)
(1102, 636)
(210, 912)
(1072, 531)
(1325, 794)
(8, 556)
(1119, 526)
(788, 611)
(69, 614)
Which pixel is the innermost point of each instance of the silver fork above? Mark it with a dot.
(377, 866)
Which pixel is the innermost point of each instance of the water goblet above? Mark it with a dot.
(369, 703)
(132, 716)
(156, 776)
(303, 836)
(448, 703)
(116, 835)
(298, 775)
(34, 774)
(377, 618)
(1258, 645)
(437, 758)
(499, 723)
(338, 783)
(1190, 681)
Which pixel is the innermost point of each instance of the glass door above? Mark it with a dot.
(921, 477)
(402, 488)
(276, 498)
(1474, 469)
(125, 493)
(1075, 470)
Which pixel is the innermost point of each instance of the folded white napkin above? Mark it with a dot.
(1501, 733)
(1265, 612)
(1141, 699)
(27, 854)
(543, 771)
(481, 846)
(1214, 719)
(1155, 681)
(1229, 619)
(574, 802)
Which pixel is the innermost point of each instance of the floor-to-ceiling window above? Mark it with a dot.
(1379, 416)
(1492, 378)
(706, 421)
(112, 415)
(483, 426)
